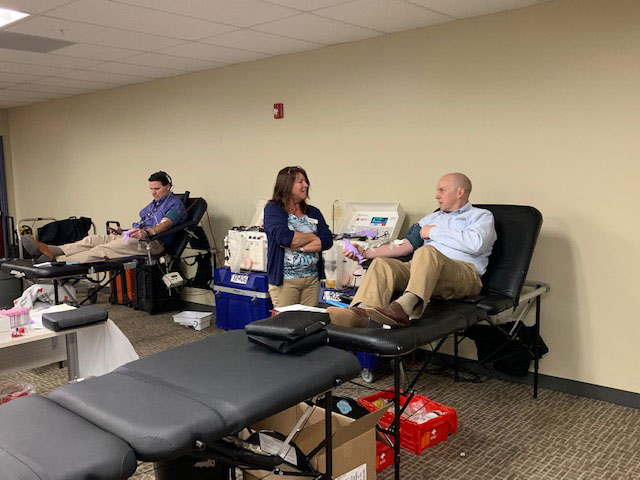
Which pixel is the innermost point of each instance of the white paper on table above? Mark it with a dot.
(297, 307)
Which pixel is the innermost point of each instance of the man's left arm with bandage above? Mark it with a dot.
(171, 213)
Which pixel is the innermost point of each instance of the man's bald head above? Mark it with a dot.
(452, 191)
(462, 181)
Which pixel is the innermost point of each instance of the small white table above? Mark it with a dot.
(21, 353)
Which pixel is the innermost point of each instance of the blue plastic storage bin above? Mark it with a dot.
(241, 298)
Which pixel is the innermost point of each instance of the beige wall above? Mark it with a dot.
(538, 105)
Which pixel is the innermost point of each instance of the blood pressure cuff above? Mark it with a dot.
(77, 317)
(289, 331)
(413, 235)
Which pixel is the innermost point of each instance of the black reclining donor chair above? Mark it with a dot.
(150, 268)
(155, 266)
(502, 296)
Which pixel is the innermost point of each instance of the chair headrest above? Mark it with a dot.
(517, 227)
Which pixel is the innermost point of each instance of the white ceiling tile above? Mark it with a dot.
(68, 82)
(65, 90)
(384, 15)
(17, 77)
(140, 70)
(95, 52)
(241, 13)
(32, 6)
(15, 97)
(213, 53)
(20, 56)
(93, 34)
(317, 29)
(308, 5)
(261, 42)
(113, 78)
(171, 61)
(128, 17)
(32, 69)
(466, 8)
(30, 94)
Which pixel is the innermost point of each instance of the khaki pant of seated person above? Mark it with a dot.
(303, 290)
(428, 273)
(94, 248)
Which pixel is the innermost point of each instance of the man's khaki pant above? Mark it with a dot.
(94, 248)
(428, 273)
(303, 290)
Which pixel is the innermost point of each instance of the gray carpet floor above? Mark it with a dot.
(503, 432)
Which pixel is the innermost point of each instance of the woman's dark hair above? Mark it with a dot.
(284, 183)
(162, 177)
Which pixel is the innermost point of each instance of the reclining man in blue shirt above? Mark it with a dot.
(160, 215)
(451, 249)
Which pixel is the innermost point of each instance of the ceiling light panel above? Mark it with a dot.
(8, 16)
(240, 13)
(95, 34)
(33, 6)
(128, 17)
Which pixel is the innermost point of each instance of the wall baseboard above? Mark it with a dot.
(612, 395)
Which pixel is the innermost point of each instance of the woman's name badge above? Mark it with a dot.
(313, 220)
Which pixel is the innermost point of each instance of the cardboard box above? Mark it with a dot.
(354, 443)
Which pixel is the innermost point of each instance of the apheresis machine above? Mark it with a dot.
(367, 224)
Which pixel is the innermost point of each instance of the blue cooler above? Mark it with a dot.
(241, 298)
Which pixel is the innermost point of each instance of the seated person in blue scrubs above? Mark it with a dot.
(297, 234)
(165, 211)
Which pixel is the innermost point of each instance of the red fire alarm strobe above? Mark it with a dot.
(278, 110)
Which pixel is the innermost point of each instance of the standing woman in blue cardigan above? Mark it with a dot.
(296, 235)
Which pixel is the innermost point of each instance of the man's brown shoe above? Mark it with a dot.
(348, 317)
(36, 249)
(392, 315)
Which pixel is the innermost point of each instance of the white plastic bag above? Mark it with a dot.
(103, 349)
(43, 292)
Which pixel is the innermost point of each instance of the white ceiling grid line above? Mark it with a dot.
(120, 42)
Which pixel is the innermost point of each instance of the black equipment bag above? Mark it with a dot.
(512, 357)
(60, 232)
(152, 295)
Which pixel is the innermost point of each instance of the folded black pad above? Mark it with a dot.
(77, 317)
(161, 404)
(290, 326)
(40, 440)
(286, 346)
